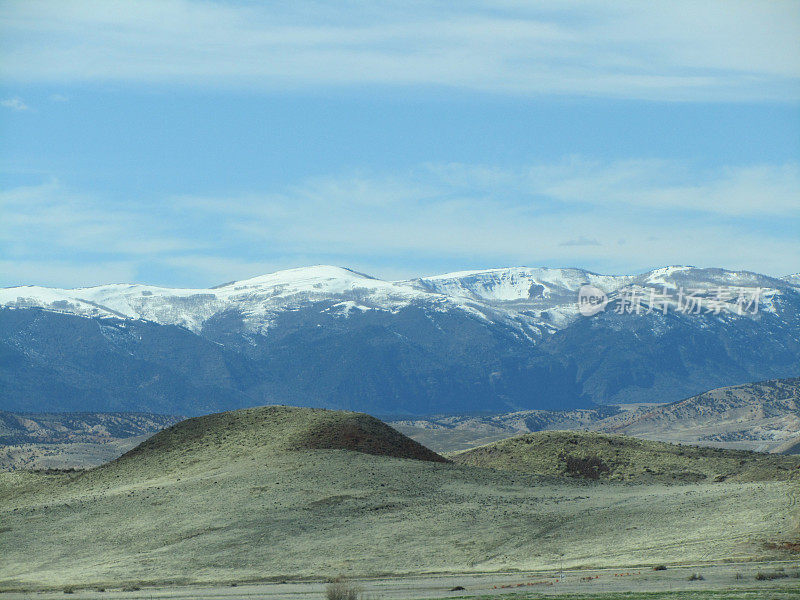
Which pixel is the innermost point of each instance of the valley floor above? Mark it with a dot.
(731, 581)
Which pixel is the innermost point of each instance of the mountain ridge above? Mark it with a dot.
(765, 413)
(494, 340)
(492, 286)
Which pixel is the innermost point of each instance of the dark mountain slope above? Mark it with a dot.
(490, 341)
(54, 362)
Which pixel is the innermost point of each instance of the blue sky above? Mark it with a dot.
(192, 143)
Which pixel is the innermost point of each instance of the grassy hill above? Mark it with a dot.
(281, 493)
(270, 430)
(764, 416)
(622, 458)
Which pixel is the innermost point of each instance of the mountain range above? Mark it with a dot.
(69, 440)
(762, 416)
(496, 340)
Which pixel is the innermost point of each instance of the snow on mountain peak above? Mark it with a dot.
(662, 274)
(301, 277)
(527, 298)
(258, 299)
(793, 279)
(699, 277)
(514, 284)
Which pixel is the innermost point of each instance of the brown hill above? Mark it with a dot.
(762, 416)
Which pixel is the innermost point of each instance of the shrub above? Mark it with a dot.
(696, 577)
(590, 466)
(341, 589)
(760, 576)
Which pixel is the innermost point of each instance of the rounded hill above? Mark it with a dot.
(276, 430)
(592, 455)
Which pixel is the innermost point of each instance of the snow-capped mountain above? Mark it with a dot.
(497, 339)
(536, 297)
(535, 286)
(258, 299)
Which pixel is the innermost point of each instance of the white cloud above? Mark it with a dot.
(620, 216)
(680, 50)
(14, 103)
(656, 185)
(49, 217)
(661, 185)
(571, 213)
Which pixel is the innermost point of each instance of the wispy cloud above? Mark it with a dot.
(497, 216)
(619, 216)
(669, 185)
(581, 241)
(15, 103)
(663, 51)
(50, 217)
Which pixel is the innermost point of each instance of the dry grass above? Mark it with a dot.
(342, 589)
(623, 458)
(240, 499)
